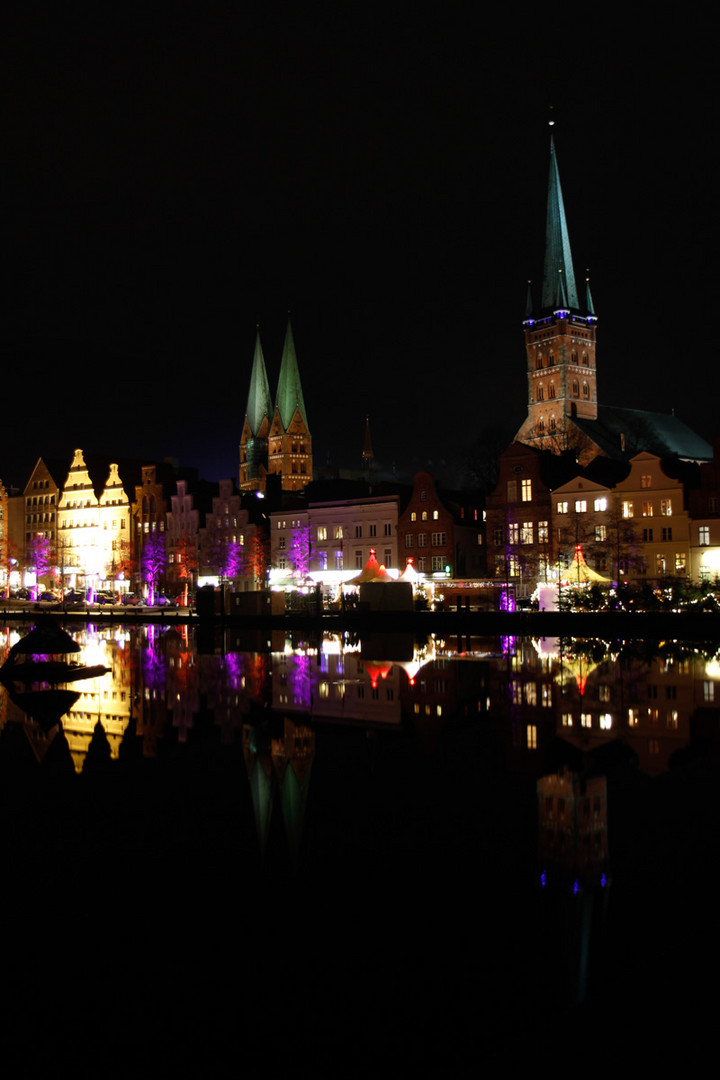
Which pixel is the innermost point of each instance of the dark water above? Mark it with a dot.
(235, 854)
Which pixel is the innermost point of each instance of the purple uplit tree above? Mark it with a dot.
(154, 561)
(299, 552)
(228, 557)
(39, 558)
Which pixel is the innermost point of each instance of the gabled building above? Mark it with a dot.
(441, 533)
(41, 498)
(276, 440)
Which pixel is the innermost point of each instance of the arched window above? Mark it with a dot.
(540, 393)
(551, 390)
(575, 388)
(586, 390)
(552, 423)
(551, 360)
(538, 363)
(573, 358)
(541, 426)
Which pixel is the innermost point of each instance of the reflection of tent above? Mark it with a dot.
(369, 571)
(579, 573)
(376, 669)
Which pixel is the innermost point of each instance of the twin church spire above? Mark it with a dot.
(275, 440)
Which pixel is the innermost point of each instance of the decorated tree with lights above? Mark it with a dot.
(256, 559)
(154, 561)
(39, 558)
(299, 551)
(186, 562)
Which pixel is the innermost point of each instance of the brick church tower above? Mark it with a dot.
(559, 340)
(276, 440)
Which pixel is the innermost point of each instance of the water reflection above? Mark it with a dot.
(503, 776)
(588, 693)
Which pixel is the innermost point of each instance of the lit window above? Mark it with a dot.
(647, 509)
(531, 731)
(680, 562)
(586, 719)
(645, 481)
(580, 506)
(605, 721)
(600, 504)
(543, 532)
(526, 490)
(413, 516)
(600, 533)
(513, 533)
(526, 532)
(562, 508)
(627, 509)
(704, 535)
(436, 515)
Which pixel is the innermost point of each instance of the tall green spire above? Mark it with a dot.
(558, 275)
(259, 403)
(289, 392)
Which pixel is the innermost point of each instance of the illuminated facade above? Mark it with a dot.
(92, 529)
(276, 440)
(704, 509)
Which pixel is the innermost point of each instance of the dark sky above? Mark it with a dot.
(172, 180)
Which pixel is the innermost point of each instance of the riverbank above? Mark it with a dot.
(686, 626)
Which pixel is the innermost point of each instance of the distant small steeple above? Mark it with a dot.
(367, 454)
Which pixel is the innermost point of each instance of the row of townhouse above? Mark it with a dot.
(651, 519)
(122, 526)
(333, 538)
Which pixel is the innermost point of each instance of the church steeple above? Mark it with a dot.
(254, 438)
(559, 289)
(259, 403)
(290, 442)
(559, 341)
(289, 392)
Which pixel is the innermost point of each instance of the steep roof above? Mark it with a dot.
(622, 433)
(259, 403)
(559, 288)
(289, 392)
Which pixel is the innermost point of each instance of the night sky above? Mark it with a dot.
(171, 181)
